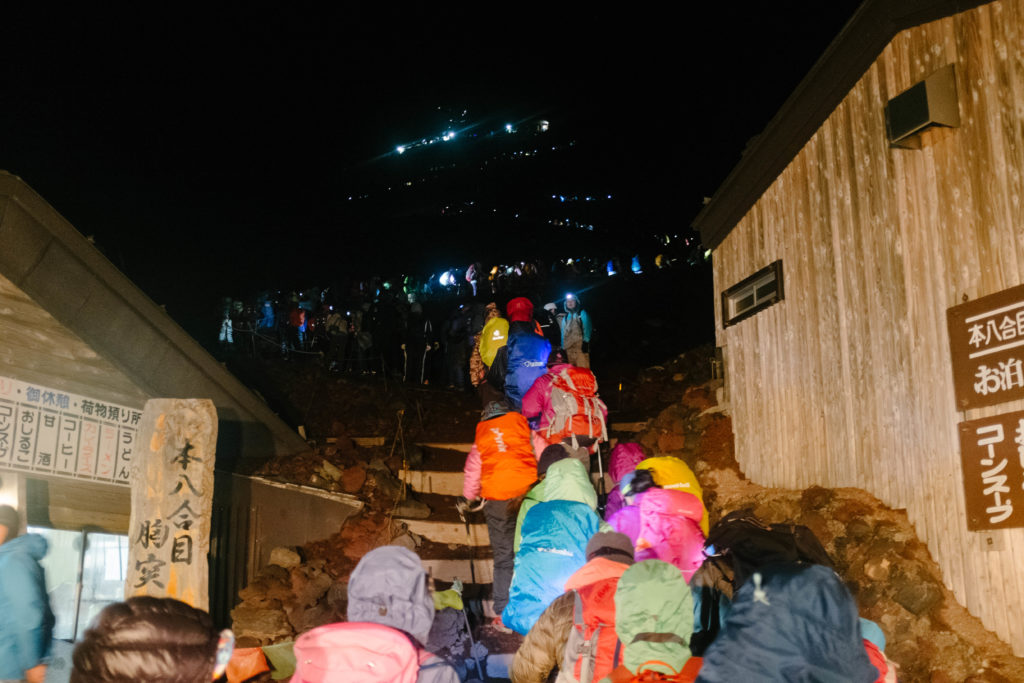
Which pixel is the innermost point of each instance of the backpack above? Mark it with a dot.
(577, 409)
(738, 545)
(686, 675)
(593, 649)
(654, 616)
(356, 651)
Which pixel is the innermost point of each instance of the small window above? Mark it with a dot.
(760, 290)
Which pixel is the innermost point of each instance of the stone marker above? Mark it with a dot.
(172, 494)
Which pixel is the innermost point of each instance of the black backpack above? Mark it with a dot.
(738, 546)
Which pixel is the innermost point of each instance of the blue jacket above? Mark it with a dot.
(26, 624)
(800, 625)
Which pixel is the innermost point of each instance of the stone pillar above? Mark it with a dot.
(172, 496)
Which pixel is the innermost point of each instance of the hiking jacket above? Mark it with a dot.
(389, 587)
(670, 529)
(624, 459)
(790, 622)
(26, 624)
(576, 327)
(544, 646)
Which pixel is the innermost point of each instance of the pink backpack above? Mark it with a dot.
(356, 652)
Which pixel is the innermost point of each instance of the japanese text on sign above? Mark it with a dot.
(65, 435)
(992, 453)
(172, 488)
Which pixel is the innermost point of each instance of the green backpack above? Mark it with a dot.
(654, 617)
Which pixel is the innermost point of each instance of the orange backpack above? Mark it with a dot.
(508, 467)
(577, 409)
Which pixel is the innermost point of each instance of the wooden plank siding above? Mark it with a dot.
(847, 382)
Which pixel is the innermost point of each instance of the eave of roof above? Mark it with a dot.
(45, 257)
(844, 62)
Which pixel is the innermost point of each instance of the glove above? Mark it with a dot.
(463, 505)
(585, 348)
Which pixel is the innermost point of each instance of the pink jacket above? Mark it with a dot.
(670, 529)
(471, 472)
(537, 400)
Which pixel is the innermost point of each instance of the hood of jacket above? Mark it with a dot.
(597, 569)
(389, 587)
(567, 479)
(788, 619)
(33, 545)
(624, 459)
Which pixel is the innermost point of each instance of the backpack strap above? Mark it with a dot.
(649, 637)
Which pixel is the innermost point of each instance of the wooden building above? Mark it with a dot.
(81, 351)
(839, 243)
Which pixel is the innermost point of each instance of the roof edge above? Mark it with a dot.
(844, 62)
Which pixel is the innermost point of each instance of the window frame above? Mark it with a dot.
(733, 293)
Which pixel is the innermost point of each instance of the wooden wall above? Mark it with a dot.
(847, 382)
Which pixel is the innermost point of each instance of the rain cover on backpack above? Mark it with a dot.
(577, 409)
(790, 623)
(654, 617)
(670, 472)
(355, 652)
(553, 547)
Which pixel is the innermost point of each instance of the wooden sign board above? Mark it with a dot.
(986, 342)
(992, 457)
(172, 498)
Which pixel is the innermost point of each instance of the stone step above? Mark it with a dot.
(449, 532)
(638, 426)
(450, 569)
(433, 481)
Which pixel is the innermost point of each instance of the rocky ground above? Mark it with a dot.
(875, 549)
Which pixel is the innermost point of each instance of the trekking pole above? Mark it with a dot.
(602, 494)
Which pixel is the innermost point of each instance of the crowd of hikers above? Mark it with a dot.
(630, 584)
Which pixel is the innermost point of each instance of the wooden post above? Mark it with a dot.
(172, 495)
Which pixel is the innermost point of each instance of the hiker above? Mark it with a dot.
(501, 467)
(576, 633)
(790, 622)
(26, 624)
(623, 460)
(653, 621)
(565, 404)
(568, 483)
(553, 544)
(738, 546)
(524, 358)
(151, 639)
(390, 611)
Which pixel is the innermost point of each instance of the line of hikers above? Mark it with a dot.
(637, 587)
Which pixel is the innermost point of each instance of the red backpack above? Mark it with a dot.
(577, 409)
(593, 649)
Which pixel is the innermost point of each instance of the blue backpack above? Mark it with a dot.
(553, 547)
(527, 360)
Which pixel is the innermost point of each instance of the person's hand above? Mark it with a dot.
(36, 674)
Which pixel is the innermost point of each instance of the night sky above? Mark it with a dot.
(210, 150)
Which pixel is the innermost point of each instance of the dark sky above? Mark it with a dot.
(197, 142)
